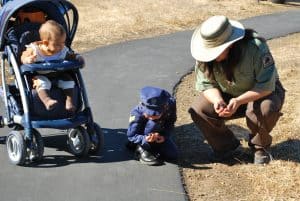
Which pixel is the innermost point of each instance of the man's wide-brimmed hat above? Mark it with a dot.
(213, 36)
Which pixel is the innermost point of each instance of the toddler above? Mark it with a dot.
(51, 47)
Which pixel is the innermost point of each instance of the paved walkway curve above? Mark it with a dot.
(114, 75)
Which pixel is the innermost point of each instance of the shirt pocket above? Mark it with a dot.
(245, 79)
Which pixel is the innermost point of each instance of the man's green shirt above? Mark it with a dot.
(255, 71)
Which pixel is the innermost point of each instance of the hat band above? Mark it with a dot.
(214, 42)
(150, 107)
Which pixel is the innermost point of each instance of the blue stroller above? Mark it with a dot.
(24, 112)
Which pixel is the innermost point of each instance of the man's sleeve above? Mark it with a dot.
(264, 68)
(202, 82)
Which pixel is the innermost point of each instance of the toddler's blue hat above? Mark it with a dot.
(153, 99)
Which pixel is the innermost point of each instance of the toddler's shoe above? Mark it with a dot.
(145, 157)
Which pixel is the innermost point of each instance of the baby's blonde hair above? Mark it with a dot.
(51, 30)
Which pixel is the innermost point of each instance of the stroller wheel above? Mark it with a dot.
(16, 148)
(78, 142)
(36, 151)
(97, 139)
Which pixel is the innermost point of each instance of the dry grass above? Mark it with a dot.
(105, 22)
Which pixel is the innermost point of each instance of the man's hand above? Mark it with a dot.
(214, 96)
(219, 106)
(231, 108)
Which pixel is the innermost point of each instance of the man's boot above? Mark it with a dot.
(69, 100)
(145, 157)
(46, 99)
(262, 156)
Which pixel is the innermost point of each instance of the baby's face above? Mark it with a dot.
(56, 45)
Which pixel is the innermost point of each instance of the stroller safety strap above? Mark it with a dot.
(51, 66)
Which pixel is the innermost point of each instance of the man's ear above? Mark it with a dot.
(45, 42)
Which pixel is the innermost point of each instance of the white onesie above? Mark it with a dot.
(42, 82)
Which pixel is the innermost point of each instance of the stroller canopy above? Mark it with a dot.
(62, 11)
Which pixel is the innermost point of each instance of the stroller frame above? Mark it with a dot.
(25, 142)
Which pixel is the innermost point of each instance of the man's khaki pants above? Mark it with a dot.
(261, 117)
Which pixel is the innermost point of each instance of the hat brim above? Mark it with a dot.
(153, 112)
(205, 54)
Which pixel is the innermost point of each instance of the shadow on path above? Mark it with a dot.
(114, 149)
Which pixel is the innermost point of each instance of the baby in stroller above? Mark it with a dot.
(35, 43)
(51, 47)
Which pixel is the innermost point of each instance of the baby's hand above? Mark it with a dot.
(30, 59)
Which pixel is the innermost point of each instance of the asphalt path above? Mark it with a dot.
(113, 76)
